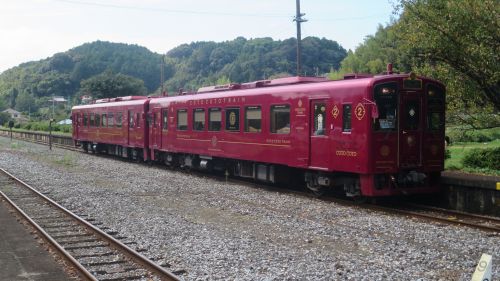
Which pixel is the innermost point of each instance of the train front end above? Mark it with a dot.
(407, 138)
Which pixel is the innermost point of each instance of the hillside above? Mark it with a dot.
(189, 66)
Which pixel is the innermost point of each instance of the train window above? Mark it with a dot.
(91, 123)
(232, 119)
(319, 119)
(199, 119)
(111, 120)
(119, 120)
(253, 119)
(138, 120)
(280, 119)
(157, 119)
(182, 119)
(165, 120)
(346, 118)
(214, 119)
(97, 120)
(130, 119)
(104, 120)
(386, 99)
(85, 119)
(435, 108)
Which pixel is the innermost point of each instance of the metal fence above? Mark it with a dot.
(40, 137)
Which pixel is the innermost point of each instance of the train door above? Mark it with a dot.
(156, 129)
(130, 126)
(319, 138)
(76, 121)
(410, 130)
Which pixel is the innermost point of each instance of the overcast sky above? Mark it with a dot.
(37, 29)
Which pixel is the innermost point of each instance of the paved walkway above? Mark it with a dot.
(21, 257)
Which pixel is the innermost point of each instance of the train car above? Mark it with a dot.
(114, 126)
(365, 135)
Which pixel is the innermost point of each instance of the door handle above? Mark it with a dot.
(404, 132)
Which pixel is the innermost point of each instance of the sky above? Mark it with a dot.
(37, 29)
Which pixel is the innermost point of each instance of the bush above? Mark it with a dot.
(447, 154)
(483, 158)
(485, 135)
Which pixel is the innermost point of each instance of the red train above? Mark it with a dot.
(365, 135)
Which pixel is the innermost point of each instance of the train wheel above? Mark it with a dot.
(316, 189)
(360, 199)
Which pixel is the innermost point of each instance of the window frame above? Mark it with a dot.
(227, 123)
(164, 119)
(182, 110)
(210, 122)
(280, 131)
(246, 126)
(119, 119)
(347, 118)
(194, 127)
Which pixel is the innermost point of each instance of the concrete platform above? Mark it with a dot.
(21, 257)
(471, 193)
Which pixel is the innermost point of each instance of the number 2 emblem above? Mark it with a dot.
(359, 111)
(335, 111)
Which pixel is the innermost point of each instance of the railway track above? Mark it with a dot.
(485, 223)
(93, 253)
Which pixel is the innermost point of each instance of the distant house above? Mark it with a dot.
(58, 99)
(86, 99)
(15, 115)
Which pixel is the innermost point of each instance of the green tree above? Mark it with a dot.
(25, 102)
(462, 35)
(109, 85)
(4, 118)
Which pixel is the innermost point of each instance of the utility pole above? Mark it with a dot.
(162, 73)
(298, 19)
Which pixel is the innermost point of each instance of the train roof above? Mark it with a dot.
(113, 102)
(271, 86)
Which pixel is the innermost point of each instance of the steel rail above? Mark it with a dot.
(447, 220)
(381, 208)
(67, 256)
(135, 256)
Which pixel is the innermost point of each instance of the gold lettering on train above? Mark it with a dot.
(346, 153)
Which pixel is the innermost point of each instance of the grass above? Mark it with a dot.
(67, 160)
(16, 145)
(458, 151)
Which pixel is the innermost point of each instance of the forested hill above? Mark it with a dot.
(101, 67)
(242, 60)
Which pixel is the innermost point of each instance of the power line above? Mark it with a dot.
(172, 11)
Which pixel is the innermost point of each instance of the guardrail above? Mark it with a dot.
(40, 137)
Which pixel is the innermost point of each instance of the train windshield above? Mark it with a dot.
(386, 99)
(435, 108)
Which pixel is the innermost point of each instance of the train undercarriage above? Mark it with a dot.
(318, 182)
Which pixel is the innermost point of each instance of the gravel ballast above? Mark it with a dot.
(206, 229)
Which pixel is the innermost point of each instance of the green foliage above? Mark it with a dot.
(241, 60)
(25, 102)
(458, 134)
(4, 118)
(488, 158)
(108, 85)
(459, 35)
(375, 53)
(61, 74)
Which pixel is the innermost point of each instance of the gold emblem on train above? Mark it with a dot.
(359, 111)
(232, 118)
(335, 111)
